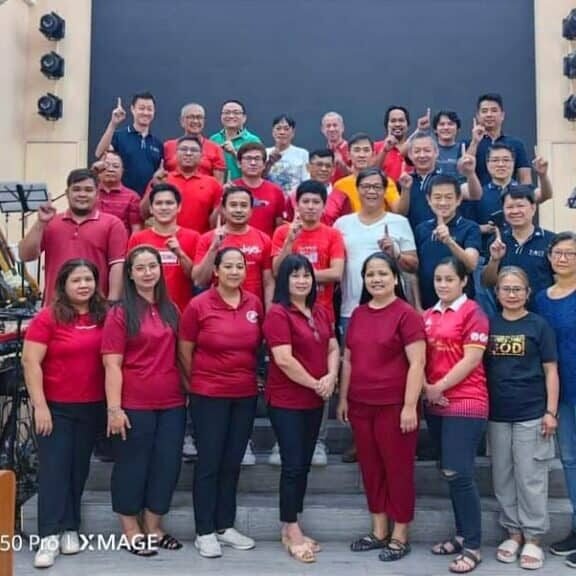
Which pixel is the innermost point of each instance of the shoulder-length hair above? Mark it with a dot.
(62, 307)
(393, 265)
(135, 306)
(293, 263)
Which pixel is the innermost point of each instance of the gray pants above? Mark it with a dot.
(323, 434)
(520, 464)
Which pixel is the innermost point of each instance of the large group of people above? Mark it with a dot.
(406, 276)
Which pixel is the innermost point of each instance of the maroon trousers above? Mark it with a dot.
(386, 458)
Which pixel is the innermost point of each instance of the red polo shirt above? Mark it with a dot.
(269, 205)
(101, 238)
(123, 203)
(392, 163)
(212, 156)
(150, 374)
(377, 341)
(448, 333)
(72, 369)
(226, 343)
(255, 246)
(320, 245)
(343, 150)
(288, 326)
(178, 284)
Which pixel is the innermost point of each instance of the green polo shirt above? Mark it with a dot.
(232, 168)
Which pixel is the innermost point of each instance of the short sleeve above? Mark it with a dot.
(219, 162)
(351, 328)
(278, 239)
(411, 327)
(41, 328)
(189, 242)
(116, 142)
(476, 328)
(266, 253)
(114, 333)
(117, 241)
(280, 204)
(134, 217)
(521, 156)
(337, 249)
(473, 238)
(190, 323)
(406, 239)
(277, 329)
(547, 344)
(202, 247)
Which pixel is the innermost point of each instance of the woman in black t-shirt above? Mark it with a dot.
(522, 373)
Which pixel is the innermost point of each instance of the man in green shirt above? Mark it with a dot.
(233, 135)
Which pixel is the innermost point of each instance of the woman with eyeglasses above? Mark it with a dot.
(557, 305)
(521, 363)
(146, 403)
(303, 371)
(382, 378)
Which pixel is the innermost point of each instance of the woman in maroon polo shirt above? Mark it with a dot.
(65, 379)
(302, 374)
(382, 377)
(146, 403)
(219, 339)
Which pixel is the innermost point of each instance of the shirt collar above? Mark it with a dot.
(455, 306)
(132, 130)
(242, 134)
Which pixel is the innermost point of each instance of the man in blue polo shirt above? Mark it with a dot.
(446, 234)
(487, 131)
(521, 243)
(141, 152)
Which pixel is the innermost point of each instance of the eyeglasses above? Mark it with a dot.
(516, 290)
(371, 187)
(568, 254)
(189, 150)
(195, 117)
(232, 113)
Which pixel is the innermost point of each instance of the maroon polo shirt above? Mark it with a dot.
(150, 374)
(121, 202)
(226, 342)
(101, 238)
(288, 326)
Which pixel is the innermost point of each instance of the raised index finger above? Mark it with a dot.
(119, 102)
(462, 149)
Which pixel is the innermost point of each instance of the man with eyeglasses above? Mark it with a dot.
(233, 135)
(201, 194)
(212, 162)
(520, 243)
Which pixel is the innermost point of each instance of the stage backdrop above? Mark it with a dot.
(305, 57)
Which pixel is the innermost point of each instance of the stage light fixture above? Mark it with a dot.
(53, 26)
(50, 107)
(52, 65)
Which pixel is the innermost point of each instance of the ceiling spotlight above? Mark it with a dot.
(53, 26)
(52, 65)
(50, 107)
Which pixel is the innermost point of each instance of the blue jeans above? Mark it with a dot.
(567, 444)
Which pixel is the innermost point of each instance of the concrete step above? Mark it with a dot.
(336, 478)
(328, 517)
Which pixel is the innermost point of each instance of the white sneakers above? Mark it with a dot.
(249, 457)
(320, 456)
(210, 545)
(51, 546)
(274, 458)
(189, 450)
(69, 543)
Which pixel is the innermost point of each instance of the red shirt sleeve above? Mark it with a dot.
(475, 328)
(281, 210)
(203, 246)
(219, 162)
(114, 332)
(267, 253)
(134, 216)
(189, 242)
(277, 329)
(41, 328)
(117, 242)
(337, 205)
(278, 239)
(217, 193)
(337, 249)
(133, 241)
(412, 327)
(190, 324)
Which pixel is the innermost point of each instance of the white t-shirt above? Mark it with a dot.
(361, 240)
(290, 170)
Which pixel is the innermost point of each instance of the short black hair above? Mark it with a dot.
(391, 109)
(519, 192)
(189, 138)
(233, 101)
(223, 251)
(288, 119)
(235, 190)
(450, 114)
(143, 96)
(165, 187)
(322, 153)
(490, 97)
(497, 146)
(567, 236)
(249, 147)
(80, 174)
(293, 263)
(358, 137)
(311, 187)
(444, 180)
(458, 265)
(373, 171)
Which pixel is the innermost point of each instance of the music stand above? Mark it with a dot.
(22, 198)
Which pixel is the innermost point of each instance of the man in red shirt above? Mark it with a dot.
(82, 231)
(332, 127)
(389, 154)
(176, 245)
(237, 205)
(212, 162)
(269, 208)
(115, 198)
(200, 193)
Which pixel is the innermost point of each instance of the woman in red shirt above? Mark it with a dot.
(65, 379)
(219, 339)
(146, 403)
(382, 377)
(302, 374)
(457, 403)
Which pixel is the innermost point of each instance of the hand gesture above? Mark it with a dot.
(118, 423)
(295, 228)
(405, 181)
(229, 147)
(118, 114)
(46, 212)
(390, 142)
(497, 248)
(386, 243)
(219, 233)
(539, 164)
(466, 163)
(161, 173)
(549, 425)
(173, 245)
(43, 420)
(325, 386)
(342, 410)
(441, 232)
(99, 166)
(274, 156)
(408, 419)
(424, 122)
(478, 131)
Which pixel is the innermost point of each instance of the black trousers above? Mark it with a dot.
(297, 433)
(64, 459)
(222, 427)
(147, 464)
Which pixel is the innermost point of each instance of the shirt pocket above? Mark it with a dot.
(544, 446)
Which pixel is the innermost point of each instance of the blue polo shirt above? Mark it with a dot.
(448, 157)
(141, 156)
(420, 210)
(531, 256)
(431, 251)
(482, 154)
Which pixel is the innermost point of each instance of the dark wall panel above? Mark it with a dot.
(305, 57)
